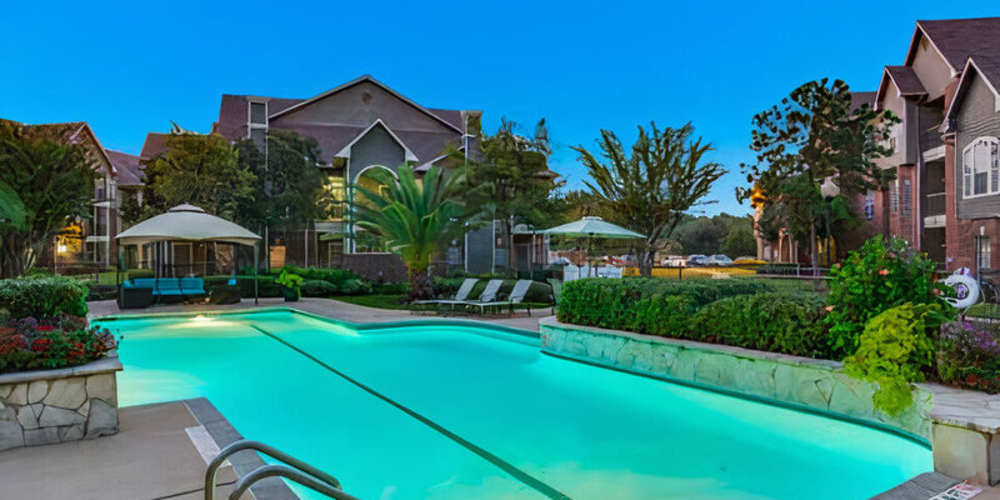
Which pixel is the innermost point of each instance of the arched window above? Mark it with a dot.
(981, 167)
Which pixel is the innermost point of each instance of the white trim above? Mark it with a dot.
(934, 221)
(369, 167)
(345, 152)
(990, 140)
(934, 154)
(365, 78)
(250, 124)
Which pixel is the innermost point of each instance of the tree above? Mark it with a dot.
(810, 136)
(199, 169)
(512, 180)
(739, 241)
(650, 191)
(52, 183)
(417, 219)
(288, 183)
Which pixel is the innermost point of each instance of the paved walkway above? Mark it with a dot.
(151, 457)
(326, 307)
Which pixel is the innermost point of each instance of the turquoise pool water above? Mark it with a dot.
(583, 431)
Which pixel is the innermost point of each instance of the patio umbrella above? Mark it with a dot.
(591, 227)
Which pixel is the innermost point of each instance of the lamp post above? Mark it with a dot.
(829, 190)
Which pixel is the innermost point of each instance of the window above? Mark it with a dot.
(905, 198)
(258, 113)
(981, 167)
(894, 195)
(870, 205)
(984, 253)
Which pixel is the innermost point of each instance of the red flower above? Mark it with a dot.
(884, 272)
(46, 328)
(40, 345)
(971, 379)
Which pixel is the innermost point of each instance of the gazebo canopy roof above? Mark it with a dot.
(592, 227)
(186, 223)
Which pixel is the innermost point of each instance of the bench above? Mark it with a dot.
(183, 287)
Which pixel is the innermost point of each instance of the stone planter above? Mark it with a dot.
(52, 406)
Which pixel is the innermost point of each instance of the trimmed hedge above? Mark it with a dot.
(318, 288)
(621, 303)
(43, 297)
(773, 321)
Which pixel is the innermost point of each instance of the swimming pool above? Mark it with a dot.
(502, 420)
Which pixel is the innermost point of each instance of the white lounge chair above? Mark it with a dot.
(460, 296)
(489, 294)
(516, 297)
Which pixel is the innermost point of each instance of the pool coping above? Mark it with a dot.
(243, 462)
(376, 325)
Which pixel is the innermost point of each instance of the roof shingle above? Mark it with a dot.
(906, 80)
(957, 39)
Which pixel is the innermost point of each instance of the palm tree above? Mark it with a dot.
(416, 219)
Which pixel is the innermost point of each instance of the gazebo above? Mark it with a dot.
(191, 224)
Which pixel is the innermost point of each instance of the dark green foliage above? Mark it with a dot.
(969, 356)
(390, 288)
(318, 288)
(664, 315)
(225, 295)
(880, 275)
(774, 321)
(347, 282)
(43, 297)
(615, 303)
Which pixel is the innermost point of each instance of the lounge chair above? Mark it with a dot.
(489, 295)
(460, 296)
(556, 289)
(516, 297)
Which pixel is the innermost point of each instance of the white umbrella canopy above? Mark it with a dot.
(187, 223)
(593, 227)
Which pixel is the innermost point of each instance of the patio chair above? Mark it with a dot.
(460, 296)
(516, 297)
(556, 289)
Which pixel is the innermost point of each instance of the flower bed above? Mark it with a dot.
(63, 341)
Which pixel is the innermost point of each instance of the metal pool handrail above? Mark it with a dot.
(313, 477)
(289, 473)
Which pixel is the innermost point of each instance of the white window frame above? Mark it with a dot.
(985, 253)
(992, 167)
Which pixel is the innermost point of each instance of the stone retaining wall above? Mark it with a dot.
(962, 426)
(806, 382)
(53, 406)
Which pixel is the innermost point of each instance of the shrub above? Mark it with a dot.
(615, 303)
(896, 348)
(391, 288)
(354, 286)
(101, 292)
(56, 342)
(265, 284)
(880, 275)
(969, 356)
(43, 297)
(773, 321)
(318, 288)
(664, 315)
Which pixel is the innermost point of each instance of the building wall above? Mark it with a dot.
(976, 118)
(932, 70)
(377, 147)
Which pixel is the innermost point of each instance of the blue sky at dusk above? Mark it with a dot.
(131, 68)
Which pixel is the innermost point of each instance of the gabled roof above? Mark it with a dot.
(988, 68)
(155, 144)
(957, 39)
(129, 172)
(345, 152)
(356, 81)
(904, 79)
(859, 99)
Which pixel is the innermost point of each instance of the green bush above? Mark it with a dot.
(318, 288)
(880, 275)
(773, 321)
(896, 348)
(391, 288)
(54, 342)
(43, 297)
(266, 286)
(616, 303)
(664, 315)
(354, 286)
(968, 355)
(101, 292)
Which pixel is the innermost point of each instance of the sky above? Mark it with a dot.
(132, 68)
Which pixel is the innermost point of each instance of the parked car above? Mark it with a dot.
(697, 260)
(674, 261)
(719, 260)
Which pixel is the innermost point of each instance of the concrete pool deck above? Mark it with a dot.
(329, 308)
